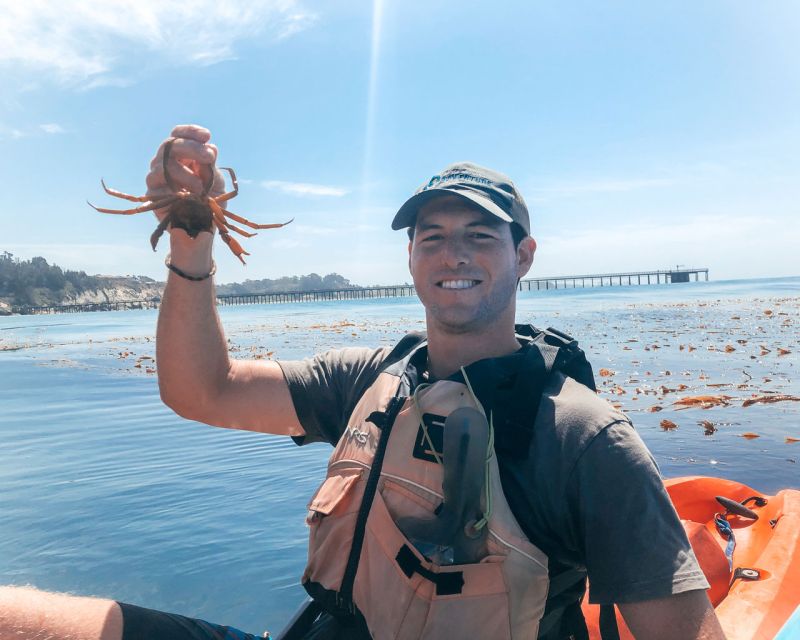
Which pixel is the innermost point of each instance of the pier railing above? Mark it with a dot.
(632, 278)
(615, 279)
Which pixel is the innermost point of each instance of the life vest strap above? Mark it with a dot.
(386, 418)
(447, 583)
(608, 622)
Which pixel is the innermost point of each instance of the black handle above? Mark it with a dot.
(737, 508)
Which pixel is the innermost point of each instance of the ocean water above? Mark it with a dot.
(104, 491)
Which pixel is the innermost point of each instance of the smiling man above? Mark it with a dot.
(476, 478)
(466, 255)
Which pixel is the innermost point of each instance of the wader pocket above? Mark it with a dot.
(331, 517)
(333, 495)
(405, 597)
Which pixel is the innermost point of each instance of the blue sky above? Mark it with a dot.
(642, 135)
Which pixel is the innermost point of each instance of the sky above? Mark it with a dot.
(642, 135)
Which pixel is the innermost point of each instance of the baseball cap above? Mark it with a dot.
(490, 190)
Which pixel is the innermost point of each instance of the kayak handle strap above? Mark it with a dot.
(740, 508)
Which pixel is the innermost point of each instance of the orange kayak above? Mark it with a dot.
(755, 599)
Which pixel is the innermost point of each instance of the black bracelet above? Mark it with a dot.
(185, 275)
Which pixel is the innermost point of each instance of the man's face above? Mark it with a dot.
(464, 265)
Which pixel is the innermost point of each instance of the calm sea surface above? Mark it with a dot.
(104, 491)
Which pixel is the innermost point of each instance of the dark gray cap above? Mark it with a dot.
(490, 190)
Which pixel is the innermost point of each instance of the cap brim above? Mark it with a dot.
(407, 214)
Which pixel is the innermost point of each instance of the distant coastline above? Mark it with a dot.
(35, 287)
(36, 283)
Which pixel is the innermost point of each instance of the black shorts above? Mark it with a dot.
(139, 623)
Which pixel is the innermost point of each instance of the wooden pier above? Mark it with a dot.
(614, 279)
(634, 278)
(363, 293)
(120, 305)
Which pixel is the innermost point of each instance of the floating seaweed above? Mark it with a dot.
(769, 399)
(704, 402)
(709, 428)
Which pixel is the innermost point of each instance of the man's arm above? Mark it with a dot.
(684, 616)
(196, 377)
(635, 548)
(28, 614)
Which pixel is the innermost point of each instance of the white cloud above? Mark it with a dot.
(11, 132)
(602, 186)
(293, 23)
(304, 188)
(288, 243)
(313, 230)
(107, 81)
(49, 128)
(52, 127)
(87, 42)
(348, 229)
(670, 176)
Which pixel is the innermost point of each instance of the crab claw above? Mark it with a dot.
(237, 249)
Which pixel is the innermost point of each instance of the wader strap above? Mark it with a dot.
(552, 623)
(384, 421)
(447, 584)
(608, 622)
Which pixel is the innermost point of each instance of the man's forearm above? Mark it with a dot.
(191, 351)
(683, 616)
(28, 614)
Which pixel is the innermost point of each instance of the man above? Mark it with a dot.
(567, 474)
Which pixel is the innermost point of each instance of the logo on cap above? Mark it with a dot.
(456, 176)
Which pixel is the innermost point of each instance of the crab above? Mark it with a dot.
(193, 212)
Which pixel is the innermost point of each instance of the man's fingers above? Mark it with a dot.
(190, 158)
(183, 177)
(156, 183)
(191, 132)
(186, 150)
(219, 183)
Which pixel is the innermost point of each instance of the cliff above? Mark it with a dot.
(35, 283)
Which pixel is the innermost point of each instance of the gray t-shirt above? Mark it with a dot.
(588, 493)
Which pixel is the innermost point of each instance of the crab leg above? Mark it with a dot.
(160, 230)
(165, 160)
(253, 225)
(233, 245)
(219, 216)
(239, 230)
(216, 211)
(150, 206)
(231, 194)
(119, 194)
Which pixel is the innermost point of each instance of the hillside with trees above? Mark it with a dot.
(311, 282)
(35, 283)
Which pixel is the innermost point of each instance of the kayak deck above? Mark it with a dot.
(751, 605)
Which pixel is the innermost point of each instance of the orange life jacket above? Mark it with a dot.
(385, 469)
